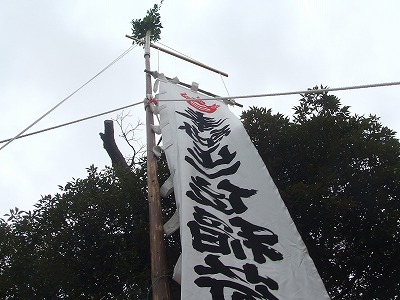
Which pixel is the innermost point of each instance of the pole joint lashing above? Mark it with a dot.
(152, 102)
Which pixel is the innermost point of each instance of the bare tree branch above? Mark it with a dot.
(128, 134)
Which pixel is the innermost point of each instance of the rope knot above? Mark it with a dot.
(151, 100)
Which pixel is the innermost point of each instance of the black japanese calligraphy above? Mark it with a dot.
(239, 284)
(227, 203)
(215, 193)
(202, 122)
(258, 239)
(211, 234)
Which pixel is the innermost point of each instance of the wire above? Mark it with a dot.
(73, 122)
(225, 85)
(158, 61)
(153, 283)
(178, 52)
(306, 92)
(65, 99)
(190, 58)
(318, 91)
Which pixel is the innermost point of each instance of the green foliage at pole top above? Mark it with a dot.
(152, 22)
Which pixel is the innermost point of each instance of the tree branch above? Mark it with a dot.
(128, 134)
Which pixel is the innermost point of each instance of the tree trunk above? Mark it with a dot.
(117, 159)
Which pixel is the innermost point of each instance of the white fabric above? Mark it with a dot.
(237, 235)
(172, 224)
(168, 187)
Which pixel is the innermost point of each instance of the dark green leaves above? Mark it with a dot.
(339, 176)
(88, 242)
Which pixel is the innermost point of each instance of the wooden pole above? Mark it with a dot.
(160, 287)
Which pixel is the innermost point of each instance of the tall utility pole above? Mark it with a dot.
(160, 287)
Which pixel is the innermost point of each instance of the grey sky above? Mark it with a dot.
(50, 48)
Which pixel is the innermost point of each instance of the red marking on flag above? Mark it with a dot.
(200, 104)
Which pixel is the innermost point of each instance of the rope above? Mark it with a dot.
(72, 122)
(73, 93)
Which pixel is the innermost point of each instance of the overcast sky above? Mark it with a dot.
(50, 48)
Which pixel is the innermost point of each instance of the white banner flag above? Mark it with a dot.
(238, 239)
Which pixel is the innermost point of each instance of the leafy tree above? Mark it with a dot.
(88, 242)
(339, 175)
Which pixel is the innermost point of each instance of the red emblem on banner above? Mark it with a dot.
(200, 104)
